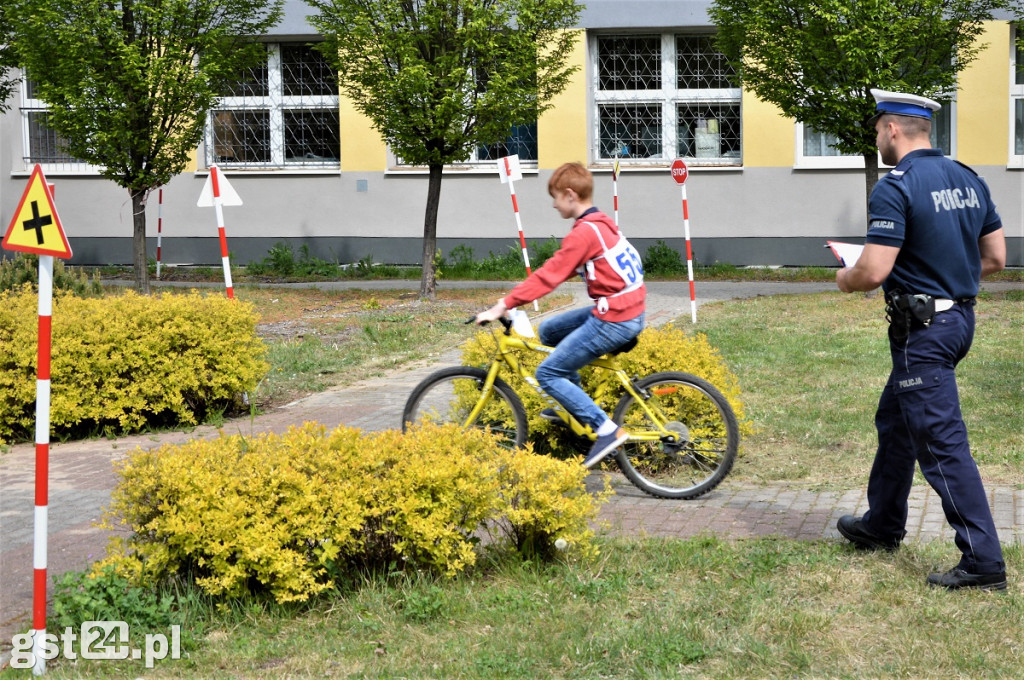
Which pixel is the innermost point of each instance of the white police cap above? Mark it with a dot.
(903, 104)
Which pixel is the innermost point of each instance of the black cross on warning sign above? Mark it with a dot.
(37, 222)
(36, 227)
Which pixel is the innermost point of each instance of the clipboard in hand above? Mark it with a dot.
(846, 253)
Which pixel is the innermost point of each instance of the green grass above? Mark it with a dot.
(812, 367)
(647, 608)
(321, 339)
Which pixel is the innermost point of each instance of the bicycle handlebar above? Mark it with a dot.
(505, 321)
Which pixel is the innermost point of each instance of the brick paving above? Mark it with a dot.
(81, 477)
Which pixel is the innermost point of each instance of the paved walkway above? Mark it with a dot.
(81, 475)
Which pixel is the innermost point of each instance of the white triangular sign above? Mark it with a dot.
(228, 195)
(508, 169)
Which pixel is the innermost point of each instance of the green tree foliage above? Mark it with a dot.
(129, 83)
(818, 59)
(7, 60)
(440, 77)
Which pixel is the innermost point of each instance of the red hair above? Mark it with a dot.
(572, 176)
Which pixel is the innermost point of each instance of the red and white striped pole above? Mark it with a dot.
(218, 207)
(679, 174)
(510, 174)
(615, 190)
(37, 229)
(159, 227)
(42, 462)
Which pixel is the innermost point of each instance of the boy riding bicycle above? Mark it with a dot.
(596, 250)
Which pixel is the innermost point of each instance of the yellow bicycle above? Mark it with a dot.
(683, 435)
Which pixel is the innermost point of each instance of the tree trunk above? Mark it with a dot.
(139, 259)
(429, 279)
(870, 179)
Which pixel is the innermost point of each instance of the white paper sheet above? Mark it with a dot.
(846, 253)
(521, 323)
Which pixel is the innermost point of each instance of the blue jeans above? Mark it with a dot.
(579, 337)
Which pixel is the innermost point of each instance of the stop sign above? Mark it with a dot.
(679, 171)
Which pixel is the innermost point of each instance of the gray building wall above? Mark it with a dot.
(757, 216)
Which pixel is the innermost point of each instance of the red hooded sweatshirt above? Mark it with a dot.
(580, 247)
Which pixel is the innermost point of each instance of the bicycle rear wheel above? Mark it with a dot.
(451, 394)
(703, 449)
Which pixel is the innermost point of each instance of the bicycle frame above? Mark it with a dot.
(507, 345)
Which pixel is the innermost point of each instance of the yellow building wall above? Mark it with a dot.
(769, 137)
(562, 129)
(362, 147)
(982, 122)
(982, 117)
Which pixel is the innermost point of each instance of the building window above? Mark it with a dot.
(662, 96)
(522, 142)
(814, 149)
(282, 113)
(1017, 100)
(41, 143)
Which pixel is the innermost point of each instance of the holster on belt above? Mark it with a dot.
(904, 310)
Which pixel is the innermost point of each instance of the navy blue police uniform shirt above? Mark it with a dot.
(935, 210)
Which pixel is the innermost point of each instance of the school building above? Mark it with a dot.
(310, 170)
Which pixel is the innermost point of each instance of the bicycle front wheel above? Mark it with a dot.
(703, 443)
(456, 395)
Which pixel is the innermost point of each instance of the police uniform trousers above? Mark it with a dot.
(919, 419)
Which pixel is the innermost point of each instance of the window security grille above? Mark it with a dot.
(280, 113)
(699, 66)
(522, 141)
(630, 130)
(629, 62)
(663, 96)
(45, 146)
(41, 143)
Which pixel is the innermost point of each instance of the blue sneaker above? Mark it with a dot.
(553, 416)
(604, 446)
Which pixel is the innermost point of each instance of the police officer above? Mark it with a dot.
(933, 233)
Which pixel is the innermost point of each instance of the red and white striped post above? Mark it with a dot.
(615, 190)
(509, 170)
(159, 227)
(36, 228)
(42, 462)
(679, 174)
(218, 206)
(218, 192)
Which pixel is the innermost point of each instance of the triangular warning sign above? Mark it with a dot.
(36, 227)
(224, 191)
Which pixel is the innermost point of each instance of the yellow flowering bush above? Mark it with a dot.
(123, 362)
(545, 500)
(666, 348)
(290, 514)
